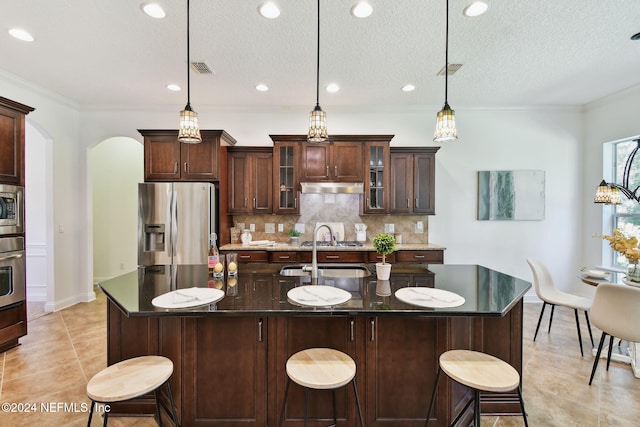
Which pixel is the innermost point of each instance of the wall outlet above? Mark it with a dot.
(240, 225)
(280, 228)
(419, 227)
(389, 228)
(122, 266)
(269, 227)
(252, 227)
(299, 227)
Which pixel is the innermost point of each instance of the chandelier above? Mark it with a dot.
(609, 193)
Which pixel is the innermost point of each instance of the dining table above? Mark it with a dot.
(625, 351)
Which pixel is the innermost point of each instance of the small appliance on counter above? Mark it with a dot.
(175, 220)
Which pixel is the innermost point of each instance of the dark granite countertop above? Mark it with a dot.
(261, 290)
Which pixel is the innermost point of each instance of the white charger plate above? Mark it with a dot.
(630, 283)
(318, 295)
(188, 297)
(429, 297)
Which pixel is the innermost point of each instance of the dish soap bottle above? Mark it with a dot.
(213, 260)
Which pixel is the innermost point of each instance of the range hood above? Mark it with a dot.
(332, 187)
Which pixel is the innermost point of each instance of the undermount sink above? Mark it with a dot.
(328, 270)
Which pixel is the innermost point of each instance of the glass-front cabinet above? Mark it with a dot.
(376, 197)
(286, 169)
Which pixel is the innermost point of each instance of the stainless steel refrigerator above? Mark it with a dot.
(175, 220)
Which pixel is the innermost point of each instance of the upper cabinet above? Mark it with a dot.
(376, 179)
(12, 117)
(334, 161)
(250, 182)
(166, 159)
(286, 172)
(413, 180)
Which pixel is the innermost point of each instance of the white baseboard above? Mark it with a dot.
(37, 292)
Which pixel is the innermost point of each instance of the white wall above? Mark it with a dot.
(116, 166)
(37, 156)
(59, 120)
(559, 141)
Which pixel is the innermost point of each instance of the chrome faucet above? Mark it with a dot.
(314, 251)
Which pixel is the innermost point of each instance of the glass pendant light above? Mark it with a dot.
(446, 119)
(318, 118)
(189, 132)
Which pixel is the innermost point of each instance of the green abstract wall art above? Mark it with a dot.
(511, 195)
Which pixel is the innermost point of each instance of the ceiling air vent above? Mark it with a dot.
(201, 67)
(452, 69)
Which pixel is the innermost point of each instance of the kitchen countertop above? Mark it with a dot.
(366, 247)
(261, 290)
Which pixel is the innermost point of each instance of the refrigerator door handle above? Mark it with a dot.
(174, 224)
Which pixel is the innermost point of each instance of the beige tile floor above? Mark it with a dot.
(64, 349)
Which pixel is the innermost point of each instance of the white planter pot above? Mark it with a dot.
(383, 271)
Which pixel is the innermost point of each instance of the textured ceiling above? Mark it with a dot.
(108, 53)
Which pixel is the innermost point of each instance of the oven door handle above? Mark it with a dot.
(10, 257)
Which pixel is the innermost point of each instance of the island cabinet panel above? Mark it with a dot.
(225, 372)
(401, 365)
(298, 333)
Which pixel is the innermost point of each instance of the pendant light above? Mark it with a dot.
(318, 118)
(446, 120)
(609, 193)
(189, 132)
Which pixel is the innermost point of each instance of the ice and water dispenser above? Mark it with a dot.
(154, 238)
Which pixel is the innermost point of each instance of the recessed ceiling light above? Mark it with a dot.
(173, 87)
(269, 10)
(476, 8)
(21, 34)
(408, 88)
(362, 9)
(154, 10)
(332, 88)
(261, 87)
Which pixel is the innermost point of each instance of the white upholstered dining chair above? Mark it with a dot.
(547, 292)
(615, 311)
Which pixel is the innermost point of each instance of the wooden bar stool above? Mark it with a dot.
(129, 379)
(321, 369)
(478, 371)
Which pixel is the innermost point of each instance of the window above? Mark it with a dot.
(626, 216)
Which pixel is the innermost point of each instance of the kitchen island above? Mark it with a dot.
(229, 357)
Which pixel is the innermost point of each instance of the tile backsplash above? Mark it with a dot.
(343, 208)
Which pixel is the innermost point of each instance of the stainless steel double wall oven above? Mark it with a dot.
(12, 253)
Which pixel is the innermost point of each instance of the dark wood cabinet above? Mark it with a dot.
(413, 181)
(166, 159)
(286, 180)
(12, 123)
(413, 374)
(337, 161)
(13, 325)
(376, 180)
(298, 333)
(250, 183)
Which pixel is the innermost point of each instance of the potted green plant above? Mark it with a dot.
(295, 236)
(384, 244)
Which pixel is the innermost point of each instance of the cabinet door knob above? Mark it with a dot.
(335, 170)
(327, 174)
(185, 167)
(408, 203)
(175, 167)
